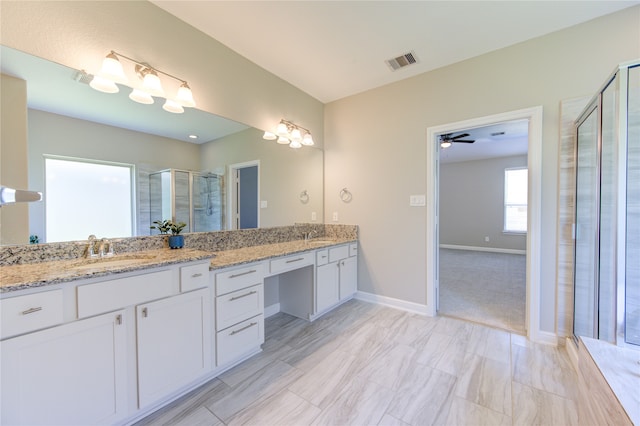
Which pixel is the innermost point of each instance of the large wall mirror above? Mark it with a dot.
(68, 120)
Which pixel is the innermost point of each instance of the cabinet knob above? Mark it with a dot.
(145, 313)
(118, 319)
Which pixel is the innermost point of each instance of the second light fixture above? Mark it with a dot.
(288, 133)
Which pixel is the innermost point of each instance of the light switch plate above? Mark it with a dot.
(314, 216)
(417, 200)
(335, 216)
(263, 204)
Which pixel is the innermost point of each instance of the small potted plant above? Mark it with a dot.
(168, 226)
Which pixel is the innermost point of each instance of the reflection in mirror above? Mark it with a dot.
(68, 119)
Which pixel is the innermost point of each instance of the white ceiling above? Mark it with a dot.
(334, 49)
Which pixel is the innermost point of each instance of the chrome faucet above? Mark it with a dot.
(105, 242)
(91, 249)
(309, 235)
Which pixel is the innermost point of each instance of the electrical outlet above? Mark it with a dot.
(314, 216)
(263, 204)
(335, 216)
(417, 200)
(487, 239)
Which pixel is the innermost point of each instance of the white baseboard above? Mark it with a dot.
(271, 310)
(415, 308)
(544, 337)
(572, 351)
(488, 249)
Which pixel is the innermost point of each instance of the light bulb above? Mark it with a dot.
(282, 130)
(296, 135)
(282, 140)
(172, 106)
(151, 84)
(269, 136)
(102, 84)
(112, 69)
(185, 96)
(141, 97)
(307, 140)
(445, 144)
(295, 144)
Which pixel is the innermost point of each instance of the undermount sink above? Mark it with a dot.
(113, 262)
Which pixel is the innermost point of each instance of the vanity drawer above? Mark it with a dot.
(289, 263)
(110, 295)
(322, 257)
(353, 249)
(240, 339)
(235, 307)
(31, 312)
(240, 278)
(338, 253)
(194, 277)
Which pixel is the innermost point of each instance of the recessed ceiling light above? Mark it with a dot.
(193, 136)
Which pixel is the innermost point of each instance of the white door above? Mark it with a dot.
(72, 374)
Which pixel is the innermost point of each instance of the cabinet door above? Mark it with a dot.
(327, 290)
(70, 374)
(348, 277)
(174, 344)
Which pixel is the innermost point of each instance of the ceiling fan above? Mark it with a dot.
(447, 139)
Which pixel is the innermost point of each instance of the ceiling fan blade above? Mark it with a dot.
(462, 141)
(462, 135)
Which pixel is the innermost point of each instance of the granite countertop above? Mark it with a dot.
(244, 255)
(30, 275)
(23, 276)
(621, 368)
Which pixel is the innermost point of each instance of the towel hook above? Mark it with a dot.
(345, 195)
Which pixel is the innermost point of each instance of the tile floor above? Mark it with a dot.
(364, 364)
(483, 287)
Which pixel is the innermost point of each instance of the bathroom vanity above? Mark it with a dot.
(112, 340)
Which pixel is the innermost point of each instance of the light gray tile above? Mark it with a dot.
(463, 412)
(430, 350)
(388, 420)
(390, 368)
(283, 408)
(544, 367)
(485, 382)
(535, 407)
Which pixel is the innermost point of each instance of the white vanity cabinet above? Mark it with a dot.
(239, 300)
(174, 343)
(96, 351)
(336, 275)
(74, 373)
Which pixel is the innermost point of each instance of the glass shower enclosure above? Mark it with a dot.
(607, 212)
(195, 198)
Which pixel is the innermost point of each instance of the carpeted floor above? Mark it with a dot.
(487, 288)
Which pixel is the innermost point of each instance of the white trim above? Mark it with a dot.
(412, 307)
(487, 249)
(534, 116)
(271, 310)
(546, 338)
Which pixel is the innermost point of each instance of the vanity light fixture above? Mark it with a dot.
(112, 72)
(288, 133)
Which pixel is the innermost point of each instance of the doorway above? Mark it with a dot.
(534, 162)
(244, 195)
(483, 224)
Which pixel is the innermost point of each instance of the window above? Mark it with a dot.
(84, 197)
(515, 200)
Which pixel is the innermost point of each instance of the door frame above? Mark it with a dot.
(231, 191)
(534, 212)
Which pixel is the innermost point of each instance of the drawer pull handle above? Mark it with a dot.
(323, 257)
(244, 295)
(242, 273)
(196, 275)
(243, 328)
(31, 310)
(295, 260)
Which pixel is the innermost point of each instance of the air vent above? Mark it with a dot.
(497, 134)
(402, 61)
(82, 77)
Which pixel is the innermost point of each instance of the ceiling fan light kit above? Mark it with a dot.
(447, 139)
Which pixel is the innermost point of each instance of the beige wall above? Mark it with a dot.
(284, 174)
(14, 218)
(376, 143)
(472, 203)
